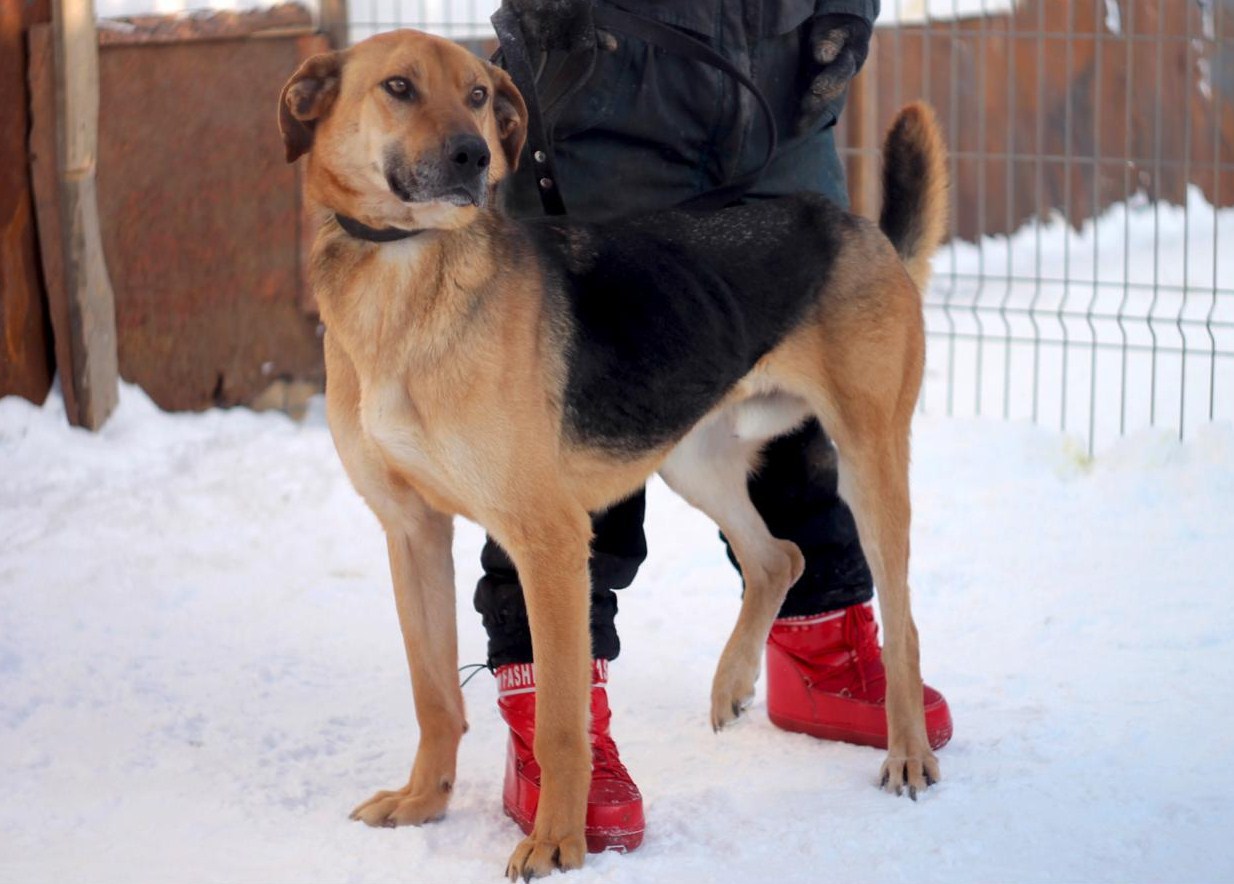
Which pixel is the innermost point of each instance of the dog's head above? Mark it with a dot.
(403, 129)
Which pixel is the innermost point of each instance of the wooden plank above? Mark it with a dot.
(83, 307)
(26, 361)
(44, 180)
(333, 22)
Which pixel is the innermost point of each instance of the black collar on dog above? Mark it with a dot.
(373, 234)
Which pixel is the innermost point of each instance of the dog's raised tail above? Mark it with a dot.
(914, 215)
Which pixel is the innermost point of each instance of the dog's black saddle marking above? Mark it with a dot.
(670, 310)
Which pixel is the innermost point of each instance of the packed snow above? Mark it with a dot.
(201, 671)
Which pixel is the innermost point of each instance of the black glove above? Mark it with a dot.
(556, 24)
(838, 47)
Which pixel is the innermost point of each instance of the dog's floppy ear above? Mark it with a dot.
(307, 97)
(510, 112)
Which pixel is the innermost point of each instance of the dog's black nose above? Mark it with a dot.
(467, 156)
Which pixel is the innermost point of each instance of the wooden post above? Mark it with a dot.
(82, 305)
(861, 126)
(332, 19)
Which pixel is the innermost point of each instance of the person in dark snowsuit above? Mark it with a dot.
(636, 127)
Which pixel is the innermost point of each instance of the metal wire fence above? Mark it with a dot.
(466, 20)
(1087, 282)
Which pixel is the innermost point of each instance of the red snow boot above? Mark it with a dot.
(825, 678)
(614, 804)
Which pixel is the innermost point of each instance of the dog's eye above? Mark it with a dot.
(399, 87)
(478, 96)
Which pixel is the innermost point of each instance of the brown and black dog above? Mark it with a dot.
(524, 375)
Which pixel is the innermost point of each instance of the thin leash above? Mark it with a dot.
(475, 670)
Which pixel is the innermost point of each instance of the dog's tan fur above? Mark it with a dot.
(446, 371)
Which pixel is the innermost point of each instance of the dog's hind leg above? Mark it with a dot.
(709, 468)
(864, 389)
(873, 467)
(423, 572)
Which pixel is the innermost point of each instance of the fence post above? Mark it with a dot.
(332, 19)
(82, 305)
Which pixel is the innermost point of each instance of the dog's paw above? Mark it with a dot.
(404, 807)
(538, 857)
(732, 691)
(914, 771)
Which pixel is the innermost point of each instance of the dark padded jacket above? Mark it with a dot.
(651, 129)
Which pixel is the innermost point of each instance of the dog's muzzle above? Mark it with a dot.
(466, 177)
(459, 176)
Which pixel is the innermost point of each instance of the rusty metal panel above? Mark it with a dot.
(25, 335)
(202, 221)
(1010, 88)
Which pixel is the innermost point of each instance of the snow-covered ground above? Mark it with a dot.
(201, 672)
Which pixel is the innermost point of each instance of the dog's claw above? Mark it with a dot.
(886, 779)
(402, 807)
(912, 792)
(533, 860)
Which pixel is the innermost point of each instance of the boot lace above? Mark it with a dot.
(861, 635)
(605, 761)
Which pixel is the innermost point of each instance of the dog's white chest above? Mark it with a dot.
(393, 424)
(427, 453)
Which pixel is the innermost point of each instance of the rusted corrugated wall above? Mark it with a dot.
(25, 332)
(203, 222)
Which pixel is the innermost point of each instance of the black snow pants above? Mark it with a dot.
(647, 131)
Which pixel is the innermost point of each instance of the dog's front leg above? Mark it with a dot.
(552, 561)
(423, 574)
